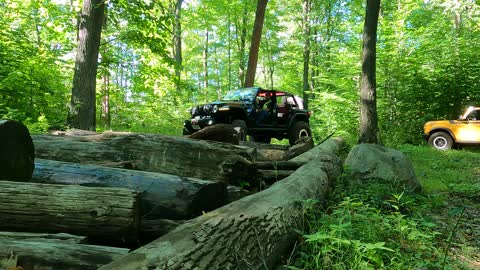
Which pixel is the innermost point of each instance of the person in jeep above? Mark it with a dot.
(256, 112)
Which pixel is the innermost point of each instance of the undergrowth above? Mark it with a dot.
(373, 227)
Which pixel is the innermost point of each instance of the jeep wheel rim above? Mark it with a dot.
(440, 142)
(303, 133)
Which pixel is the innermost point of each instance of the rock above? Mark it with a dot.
(367, 162)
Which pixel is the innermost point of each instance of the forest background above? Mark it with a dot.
(428, 64)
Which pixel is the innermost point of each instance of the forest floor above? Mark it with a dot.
(372, 227)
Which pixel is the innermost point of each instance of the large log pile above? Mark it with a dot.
(120, 188)
(251, 233)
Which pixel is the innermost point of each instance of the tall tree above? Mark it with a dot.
(306, 50)
(177, 41)
(82, 104)
(369, 132)
(254, 46)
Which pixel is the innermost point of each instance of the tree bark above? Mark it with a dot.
(154, 153)
(255, 44)
(272, 176)
(369, 132)
(163, 196)
(306, 51)
(100, 213)
(177, 42)
(251, 233)
(54, 254)
(65, 237)
(16, 151)
(82, 105)
(268, 152)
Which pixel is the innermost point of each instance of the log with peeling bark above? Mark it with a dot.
(154, 153)
(100, 213)
(251, 233)
(163, 196)
(268, 152)
(54, 254)
(279, 165)
(16, 151)
(219, 133)
(305, 144)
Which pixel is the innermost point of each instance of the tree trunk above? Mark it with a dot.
(255, 45)
(280, 165)
(306, 51)
(16, 151)
(53, 254)
(177, 43)
(164, 196)
(65, 237)
(82, 104)
(100, 213)
(251, 233)
(369, 132)
(272, 176)
(242, 39)
(268, 152)
(154, 153)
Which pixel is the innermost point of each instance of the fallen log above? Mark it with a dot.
(99, 213)
(154, 153)
(163, 196)
(316, 151)
(305, 144)
(74, 239)
(268, 152)
(279, 165)
(153, 229)
(219, 133)
(16, 151)
(54, 254)
(251, 233)
(272, 176)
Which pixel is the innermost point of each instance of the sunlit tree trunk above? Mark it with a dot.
(306, 51)
(241, 29)
(82, 104)
(255, 44)
(177, 43)
(369, 132)
(205, 62)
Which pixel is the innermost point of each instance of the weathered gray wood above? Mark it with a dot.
(272, 176)
(54, 254)
(163, 196)
(152, 229)
(268, 152)
(316, 151)
(70, 238)
(100, 213)
(152, 152)
(236, 193)
(16, 151)
(251, 233)
(305, 144)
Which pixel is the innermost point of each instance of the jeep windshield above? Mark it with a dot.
(243, 95)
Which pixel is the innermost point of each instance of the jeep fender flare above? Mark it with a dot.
(298, 117)
(446, 130)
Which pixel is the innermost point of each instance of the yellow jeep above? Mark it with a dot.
(444, 134)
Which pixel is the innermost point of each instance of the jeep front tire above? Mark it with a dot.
(298, 130)
(441, 141)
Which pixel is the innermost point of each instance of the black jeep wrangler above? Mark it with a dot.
(261, 114)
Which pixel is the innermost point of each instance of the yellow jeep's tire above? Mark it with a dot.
(441, 141)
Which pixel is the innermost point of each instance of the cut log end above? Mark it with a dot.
(16, 151)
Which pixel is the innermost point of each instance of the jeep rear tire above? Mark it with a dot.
(241, 127)
(441, 141)
(298, 130)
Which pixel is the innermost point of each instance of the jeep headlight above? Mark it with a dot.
(215, 109)
(206, 108)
